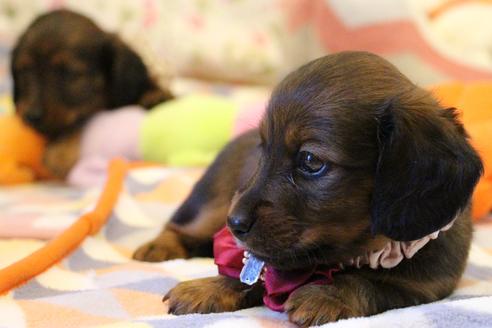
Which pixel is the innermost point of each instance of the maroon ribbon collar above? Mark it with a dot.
(278, 284)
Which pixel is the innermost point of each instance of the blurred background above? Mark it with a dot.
(238, 50)
(258, 42)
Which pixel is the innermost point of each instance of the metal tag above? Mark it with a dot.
(251, 270)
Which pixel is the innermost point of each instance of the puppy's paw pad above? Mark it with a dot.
(61, 157)
(206, 295)
(166, 246)
(157, 251)
(308, 306)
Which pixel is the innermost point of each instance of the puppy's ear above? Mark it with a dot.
(426, 170)
(128, 79)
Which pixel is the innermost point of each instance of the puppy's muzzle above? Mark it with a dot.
(240, 224)
(241, 217)
(243, 212)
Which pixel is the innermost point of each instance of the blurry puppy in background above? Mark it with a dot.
(351, 161)
(65, 69)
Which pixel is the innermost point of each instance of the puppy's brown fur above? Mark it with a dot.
(64, 70)
(396, 165)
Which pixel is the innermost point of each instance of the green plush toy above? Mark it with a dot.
(188, 131)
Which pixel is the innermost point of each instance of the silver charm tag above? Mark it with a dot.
(252, 269)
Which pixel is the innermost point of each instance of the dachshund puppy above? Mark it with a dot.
(65, 69)
(351, 161)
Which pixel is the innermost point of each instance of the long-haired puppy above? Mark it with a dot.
(65, 69)
(350, 159)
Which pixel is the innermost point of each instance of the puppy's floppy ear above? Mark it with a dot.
(426, 170)
(128, 79)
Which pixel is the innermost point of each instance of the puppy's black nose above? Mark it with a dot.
(239, 224)
(33, 117)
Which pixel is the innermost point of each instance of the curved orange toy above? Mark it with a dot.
(55, 250)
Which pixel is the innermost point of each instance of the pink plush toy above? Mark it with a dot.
(108, 135)
(249, 117)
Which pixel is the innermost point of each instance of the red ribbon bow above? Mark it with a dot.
(278, 284)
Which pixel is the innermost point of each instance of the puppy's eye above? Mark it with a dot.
(309, 165)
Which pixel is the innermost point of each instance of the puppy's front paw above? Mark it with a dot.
(216, 294)
(166, 246)
(314, 305)
(61, 156)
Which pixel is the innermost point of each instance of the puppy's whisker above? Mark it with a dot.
(290, 178)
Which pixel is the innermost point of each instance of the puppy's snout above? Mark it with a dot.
(33, 116)
(240, 223)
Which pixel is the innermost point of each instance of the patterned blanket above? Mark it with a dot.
(99, 285)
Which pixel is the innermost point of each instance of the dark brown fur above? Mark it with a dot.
(64, 70)
(399, 167)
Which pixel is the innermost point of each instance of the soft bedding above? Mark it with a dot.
(99, 285)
